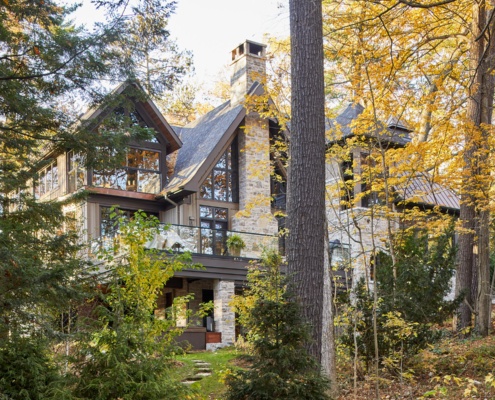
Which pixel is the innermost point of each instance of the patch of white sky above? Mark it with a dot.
(210, 29)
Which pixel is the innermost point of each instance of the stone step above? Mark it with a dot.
(202, 374)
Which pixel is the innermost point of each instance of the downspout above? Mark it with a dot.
(176, 206)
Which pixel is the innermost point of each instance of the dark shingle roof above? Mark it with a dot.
(200, 138)
(344, 125)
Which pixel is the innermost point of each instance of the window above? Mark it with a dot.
(214, 221)
(109, 226)
(278, 189)
(135, 119)
(140, 173)
(222, 183)
(76, 172)
(47, 180)
(368, 174)
(340, 264)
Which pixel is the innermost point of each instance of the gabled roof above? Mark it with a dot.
(148, 107)
(200, 140)
(204, 141)
(344, 125)
(420, 189)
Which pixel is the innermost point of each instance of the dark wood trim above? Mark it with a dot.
(217, 267)
(130, 203)
(121, 193)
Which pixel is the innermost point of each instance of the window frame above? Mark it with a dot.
(208, 190)
(42, 180)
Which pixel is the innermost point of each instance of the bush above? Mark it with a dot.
(26, 370)
(410, 305)
(128, 354)
(282, 368)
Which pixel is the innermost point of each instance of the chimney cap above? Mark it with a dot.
(249, 47)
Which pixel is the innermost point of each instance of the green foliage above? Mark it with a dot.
(282, 368)
(408, 306)
(147, 52)
(264, 282)
(129, 354)
(26, 369)
(48, 67)
(235, 242)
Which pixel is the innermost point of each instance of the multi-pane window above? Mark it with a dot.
(47, 180)
(135, 120)
(368, 174)
(109, 226)
(140, 173)
(340, 264)
(214, 222)
(76, 172)
(222, 183)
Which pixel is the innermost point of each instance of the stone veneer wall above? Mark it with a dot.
(354, 227)
(196, 288)
(224, 314)
(254, 179)
(245, 70)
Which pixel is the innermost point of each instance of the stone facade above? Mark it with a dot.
(254, 179)
(248, 66)
(359, 229)
(224, 314)
(254, 214)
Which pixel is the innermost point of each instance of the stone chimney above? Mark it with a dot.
(248, 66)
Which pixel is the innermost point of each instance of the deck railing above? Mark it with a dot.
(208, 241)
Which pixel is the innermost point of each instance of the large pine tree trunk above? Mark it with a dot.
(306, 183)
(474, 269)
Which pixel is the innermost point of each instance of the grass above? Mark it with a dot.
(210, 387)
(452, 369)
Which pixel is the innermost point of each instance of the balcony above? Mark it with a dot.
(212, 242)
(200, 241)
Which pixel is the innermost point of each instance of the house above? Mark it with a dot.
(359, 223)
(212, 178)
(206, 180)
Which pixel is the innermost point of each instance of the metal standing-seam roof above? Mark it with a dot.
(420, 189)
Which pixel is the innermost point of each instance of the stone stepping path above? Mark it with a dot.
(201, 369)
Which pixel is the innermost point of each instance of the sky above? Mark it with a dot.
(210, 29)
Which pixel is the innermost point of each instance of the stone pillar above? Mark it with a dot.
(223, 292)
(254, 179)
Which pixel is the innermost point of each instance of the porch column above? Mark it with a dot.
(224, 314)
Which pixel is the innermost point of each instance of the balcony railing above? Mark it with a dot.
(207, 241)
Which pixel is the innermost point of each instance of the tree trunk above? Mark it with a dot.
(306, 183)
(474, 269)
